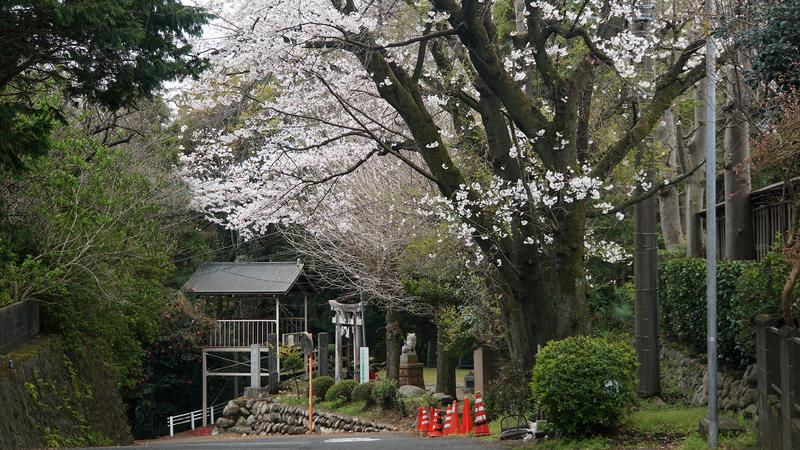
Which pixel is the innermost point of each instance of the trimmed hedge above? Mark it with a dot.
(342, 389)
(363, 393)
(321, 386)
(744, 289)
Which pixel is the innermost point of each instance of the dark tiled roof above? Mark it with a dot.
(250, 278)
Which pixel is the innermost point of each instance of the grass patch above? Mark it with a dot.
(674, 427)
(429, 374)
(677, 419)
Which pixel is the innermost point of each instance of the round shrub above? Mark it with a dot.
(584, 384)
(321, 386)
(342, 389)
(385, 393)
(363, 393)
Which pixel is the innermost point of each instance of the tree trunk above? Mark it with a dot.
(668, 197)
(694, 184)
(394, 345)
(527, 309)
(572, 309)
(739, 242)
(445, 369)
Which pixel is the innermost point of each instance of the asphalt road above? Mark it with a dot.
(365, 441)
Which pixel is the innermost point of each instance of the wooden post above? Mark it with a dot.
(356, 345)
(274, 376)
(338, 355)
(322, 345)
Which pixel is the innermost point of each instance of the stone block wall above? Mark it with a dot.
(262, 417)
(689, 377)
(18, 323)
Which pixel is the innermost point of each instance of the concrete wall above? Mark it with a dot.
(18, 322)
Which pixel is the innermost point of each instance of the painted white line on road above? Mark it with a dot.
(352, 440)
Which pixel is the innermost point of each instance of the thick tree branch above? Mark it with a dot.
(671, 85)
(651, 192)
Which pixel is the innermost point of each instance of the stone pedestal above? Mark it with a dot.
(411, 371)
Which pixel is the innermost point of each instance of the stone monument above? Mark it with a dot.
(410, 368)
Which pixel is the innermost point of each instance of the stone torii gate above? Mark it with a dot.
(345, 316)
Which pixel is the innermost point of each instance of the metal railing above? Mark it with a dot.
(191, 417)
(242, 332)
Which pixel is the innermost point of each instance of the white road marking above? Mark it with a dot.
(366, 439)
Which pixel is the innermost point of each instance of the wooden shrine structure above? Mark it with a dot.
(256, 336)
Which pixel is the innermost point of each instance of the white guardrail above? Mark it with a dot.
(191, 417)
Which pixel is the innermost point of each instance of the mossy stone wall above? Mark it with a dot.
(59, 397)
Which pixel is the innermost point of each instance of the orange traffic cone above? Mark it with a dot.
(448, 421)
(466, 421)
(481, 425)
(436, 426)
(456, 427)
(422, 420)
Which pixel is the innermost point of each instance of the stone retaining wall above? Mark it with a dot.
(59, 396)
(690, 377)
(264, 417)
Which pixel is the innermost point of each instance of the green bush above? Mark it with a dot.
(758, 291)
(385, 393)
(363, 393)
(342, 389)
(682, 298)
(744, 289)
(321, 386)
(507, 394)
(584, 384)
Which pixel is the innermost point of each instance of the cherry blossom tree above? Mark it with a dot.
(321, 87)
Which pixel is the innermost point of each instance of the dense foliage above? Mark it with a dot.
(584, 384)
(79, 233)
(110, 53)
(169, 379)
(775, 43)
(744, 289)
(386, 394)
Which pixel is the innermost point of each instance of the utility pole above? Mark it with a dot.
(711, 224)
(645, 254)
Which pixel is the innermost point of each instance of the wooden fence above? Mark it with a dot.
(778, 352)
